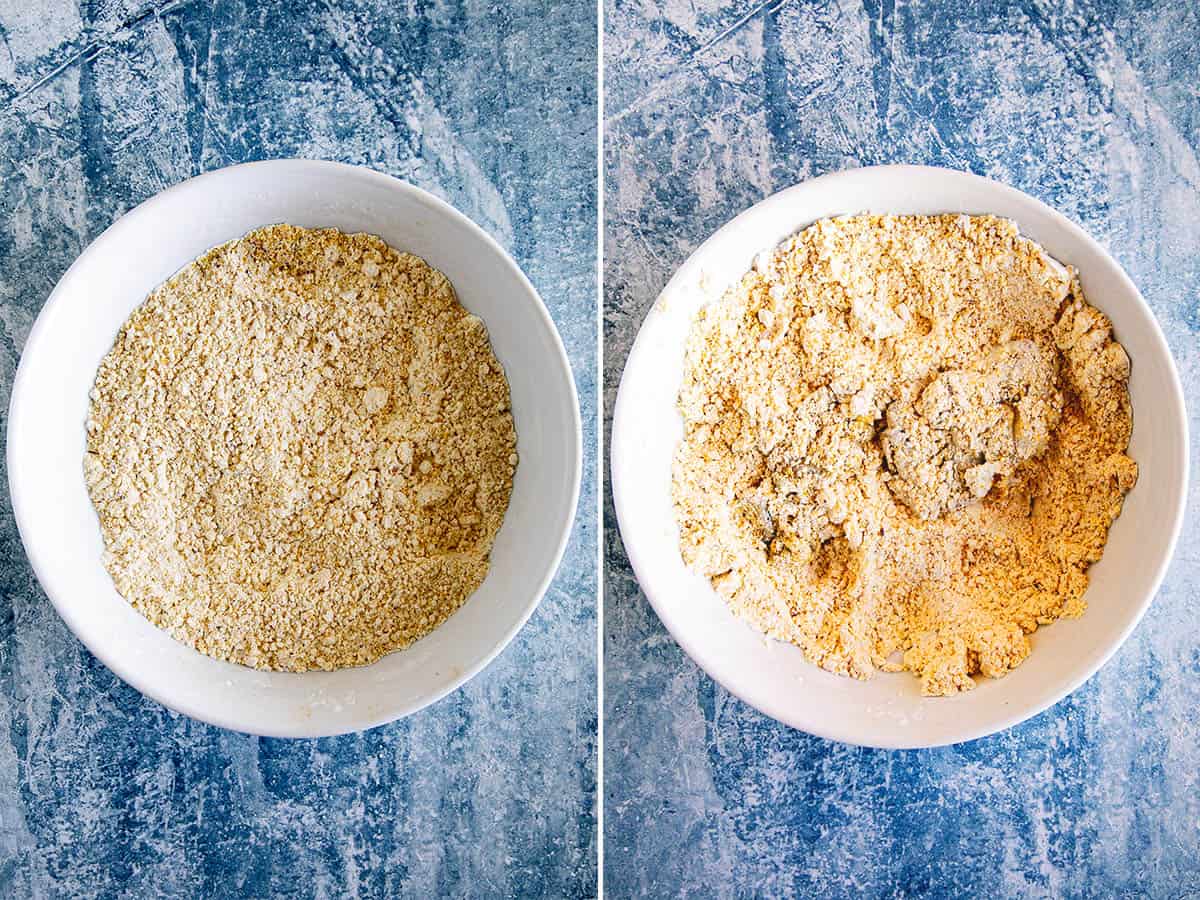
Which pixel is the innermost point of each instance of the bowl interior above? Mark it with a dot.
(76, 328)
(888, 710)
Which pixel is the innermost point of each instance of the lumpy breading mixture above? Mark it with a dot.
(904, 445)
(300, 449)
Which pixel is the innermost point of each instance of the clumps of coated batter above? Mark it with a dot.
(300, 448)
(904, 445)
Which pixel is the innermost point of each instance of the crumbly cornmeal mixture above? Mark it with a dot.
(904, 445)
(300, 448)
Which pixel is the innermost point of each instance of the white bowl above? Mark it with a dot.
(888, 710)
(77, 327)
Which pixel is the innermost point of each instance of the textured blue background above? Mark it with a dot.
(1094, 108)
(491, 791)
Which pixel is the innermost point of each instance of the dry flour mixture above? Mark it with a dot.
(300, 449)
(904, 445)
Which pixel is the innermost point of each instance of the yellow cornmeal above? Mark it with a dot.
(300, 449)
(904, 445)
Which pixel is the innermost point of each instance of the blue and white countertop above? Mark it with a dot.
(1094, 108)
(487, 793)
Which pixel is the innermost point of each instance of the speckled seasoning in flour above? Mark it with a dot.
(904, 445)
(300, 448)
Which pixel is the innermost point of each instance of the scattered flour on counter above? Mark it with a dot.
(905, 437)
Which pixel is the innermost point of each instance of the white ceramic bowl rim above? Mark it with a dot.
(160, 689)
(643, 532)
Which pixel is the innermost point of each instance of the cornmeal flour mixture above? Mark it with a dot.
(904, 445)
(300, 449)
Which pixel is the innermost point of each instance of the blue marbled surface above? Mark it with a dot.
(489, 792)
(1095, 108)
